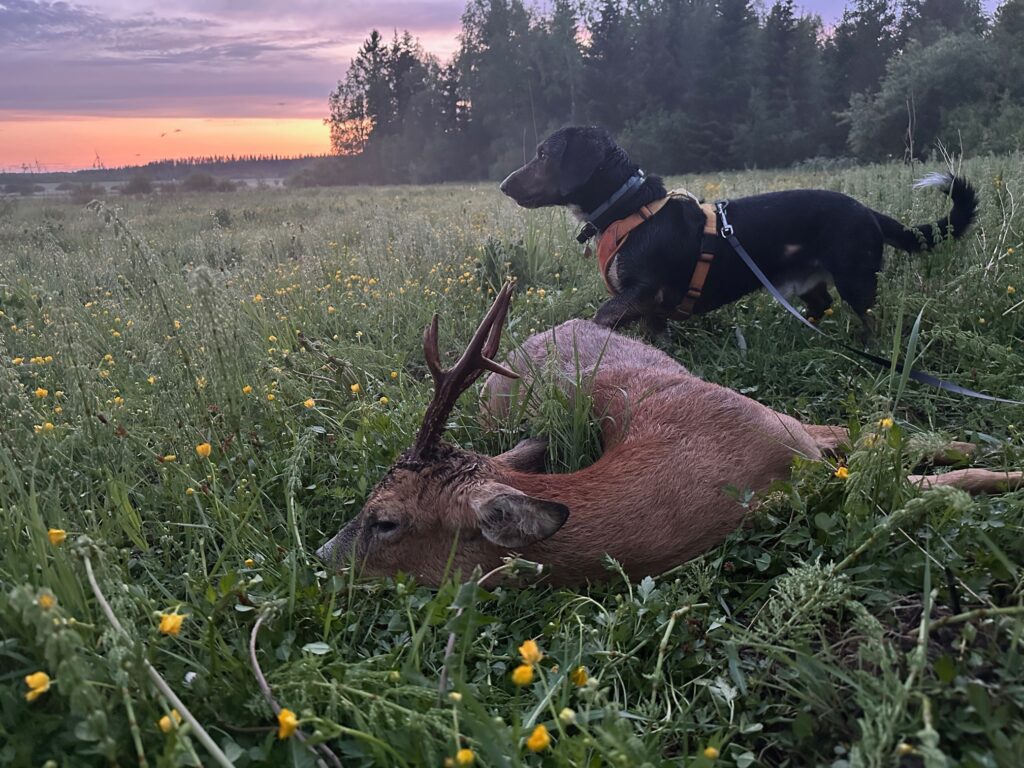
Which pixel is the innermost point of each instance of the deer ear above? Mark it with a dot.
(512, 519)
(527, 456)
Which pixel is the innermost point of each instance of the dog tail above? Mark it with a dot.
(924, 237)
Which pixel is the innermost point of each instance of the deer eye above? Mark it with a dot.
(384, 527)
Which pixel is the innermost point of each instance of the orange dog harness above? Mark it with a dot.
(615, 235)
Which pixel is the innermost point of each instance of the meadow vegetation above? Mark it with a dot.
(198, 390)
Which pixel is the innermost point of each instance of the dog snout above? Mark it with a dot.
(506, 185)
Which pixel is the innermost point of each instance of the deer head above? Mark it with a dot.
(437, 497)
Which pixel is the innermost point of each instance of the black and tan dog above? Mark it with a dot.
(803, 240)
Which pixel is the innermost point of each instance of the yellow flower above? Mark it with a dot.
(539, 740)
(1010, 290)
(465, 757)
(567, 716)
(17, 360)
(56, 536)
(309, 402)
(249, 562)
(394, 374)
(168, 458)
(522, 675)
(257, 299)
(203, 449)
(151, 379)
(169, 722)
(903, 749)
(190, 491)
(41, 393)
(46, 601)
(842, 473)
(38, 683)
(530, 653)
(454, 697)
(355, 389)
(711, 753)
(579, 676)
(829, 312)
(383, 401)
(177, 325)
(170, 623)
(272, 339)
(246, 390)
(270, 397)
(886, 423)
(287, 723)
(330, 310)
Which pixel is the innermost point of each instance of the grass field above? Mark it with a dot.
(854, 623)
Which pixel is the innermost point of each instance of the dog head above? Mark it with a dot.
(565, 162)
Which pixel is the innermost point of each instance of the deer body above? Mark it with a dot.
(674, 447)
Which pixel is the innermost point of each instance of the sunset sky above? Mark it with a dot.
(131, 81)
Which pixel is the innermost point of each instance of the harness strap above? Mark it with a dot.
(616, 234)
(703, 266)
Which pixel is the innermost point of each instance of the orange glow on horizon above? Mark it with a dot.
(71, 143)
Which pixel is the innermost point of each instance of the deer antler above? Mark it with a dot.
(449, 384)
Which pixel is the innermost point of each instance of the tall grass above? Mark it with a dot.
(852, 622)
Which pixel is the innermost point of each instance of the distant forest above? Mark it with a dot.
(686, 85)
(219, 166)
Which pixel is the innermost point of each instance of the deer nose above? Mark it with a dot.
(326, 552)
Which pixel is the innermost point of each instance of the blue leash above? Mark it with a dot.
(729, 234)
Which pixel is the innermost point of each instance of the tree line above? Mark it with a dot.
(686, 85)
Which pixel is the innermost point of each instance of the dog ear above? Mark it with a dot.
(584, 151)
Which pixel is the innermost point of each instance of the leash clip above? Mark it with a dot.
(727, 230)
(584, 232)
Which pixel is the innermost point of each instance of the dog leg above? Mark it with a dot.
(817, 300)
(622, 309)
(856, 278)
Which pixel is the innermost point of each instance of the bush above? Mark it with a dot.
(83, 193)
(322, 173)
(198, 181)
(138, 185)
(23, 188)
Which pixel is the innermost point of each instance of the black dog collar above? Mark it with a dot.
(589, 228)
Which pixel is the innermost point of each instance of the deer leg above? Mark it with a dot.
(972, 480)
(835, 441)
(831, 441)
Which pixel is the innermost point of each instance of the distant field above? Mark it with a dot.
(136, 330)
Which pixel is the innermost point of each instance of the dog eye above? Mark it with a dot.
(541, 154)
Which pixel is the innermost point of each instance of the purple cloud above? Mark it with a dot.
(210, 59)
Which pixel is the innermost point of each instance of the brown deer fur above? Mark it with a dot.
(674, 447)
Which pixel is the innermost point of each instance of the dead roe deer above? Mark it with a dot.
(673, 446)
